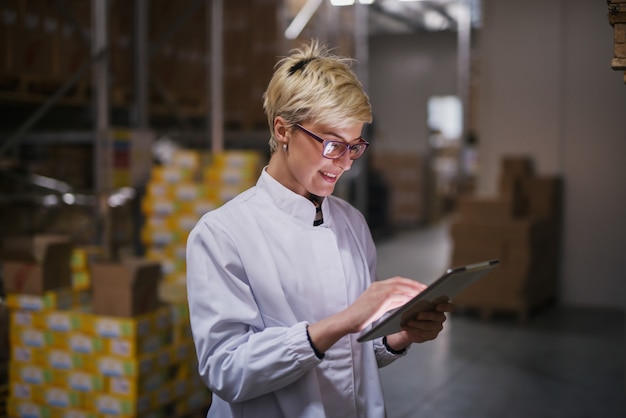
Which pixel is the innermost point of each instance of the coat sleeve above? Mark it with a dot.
(238, 357)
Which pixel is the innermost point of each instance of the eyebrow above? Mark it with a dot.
(347, 141)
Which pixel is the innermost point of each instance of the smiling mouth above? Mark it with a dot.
(329, 175)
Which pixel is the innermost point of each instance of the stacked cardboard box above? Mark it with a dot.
(521, 227)
(4, 356)
(106, 350)
(178, 194)
(404, 173)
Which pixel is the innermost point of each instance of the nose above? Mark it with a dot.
(344, 162)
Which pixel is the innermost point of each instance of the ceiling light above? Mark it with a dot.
(342, 2)
(302, 18)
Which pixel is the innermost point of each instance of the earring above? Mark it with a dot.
(285, 147)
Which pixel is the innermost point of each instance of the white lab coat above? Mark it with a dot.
(258, 272)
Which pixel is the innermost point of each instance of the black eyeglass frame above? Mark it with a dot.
(326, 142)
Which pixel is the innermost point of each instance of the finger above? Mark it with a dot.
(420, 326)
(433, 316)
(444, 307)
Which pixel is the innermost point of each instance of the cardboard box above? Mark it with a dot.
(127, 288)
(4, 333)
(528, 272)
(545, 197)
(36, 264)
(471, 208)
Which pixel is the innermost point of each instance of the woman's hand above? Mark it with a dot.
(378, 298)
(426, 326)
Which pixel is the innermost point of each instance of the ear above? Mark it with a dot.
(280, 129)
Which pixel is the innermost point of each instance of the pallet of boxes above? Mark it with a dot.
(110, 350)
(521, 227)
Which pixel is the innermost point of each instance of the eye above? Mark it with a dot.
(333, 147)
(357, 148)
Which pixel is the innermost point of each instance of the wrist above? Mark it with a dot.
(394, 346)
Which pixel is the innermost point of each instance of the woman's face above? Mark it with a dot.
(302, 168)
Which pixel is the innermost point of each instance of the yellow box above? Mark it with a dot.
(63, 299)
(21, 319)
(112, 366)
(31, 374)
(171, 175)
(59, 397)
(71, 413)
(60, 321)
(181, 333)
(64, 359)
(182, 351)
(118, 406)
(190, 191)
(18, 408)
(187, 159)
(133, 388)
(158, 206)
(78, 342)
(180, 314)
(161, 236)
(131, 348)
(241, 177)
(183, 222)
(27, 355)
(81, 279)
(181, 388)
(237, 159)
(51, 300)
(80, 381)
(32, 337)
(162, 320)
(156, 190)
(162, 396)
(198, 397)
(82, 256)
(109, 326)
(24, 391)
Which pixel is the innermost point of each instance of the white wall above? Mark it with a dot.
(547, 90)
(404, 71)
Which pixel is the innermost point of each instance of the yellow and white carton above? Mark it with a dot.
(118, 406)
(131, 387)
(32, 337)
(19, 408)
(64, 359)
(27, 355)
(79, 342)
(113, 366)
(79, 381)
(131, 348)
(60, 397)
(31, 374)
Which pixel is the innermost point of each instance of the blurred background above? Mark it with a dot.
(498, 133)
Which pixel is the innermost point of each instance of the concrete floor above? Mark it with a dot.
(564, 362)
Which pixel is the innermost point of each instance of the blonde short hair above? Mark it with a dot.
(313, 85)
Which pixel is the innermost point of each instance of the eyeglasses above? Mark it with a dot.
(335, 149)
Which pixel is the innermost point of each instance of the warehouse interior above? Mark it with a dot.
(497, 133)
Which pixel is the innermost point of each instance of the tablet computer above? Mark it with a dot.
(450, 284)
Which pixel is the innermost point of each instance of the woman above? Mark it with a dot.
(281, 279)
